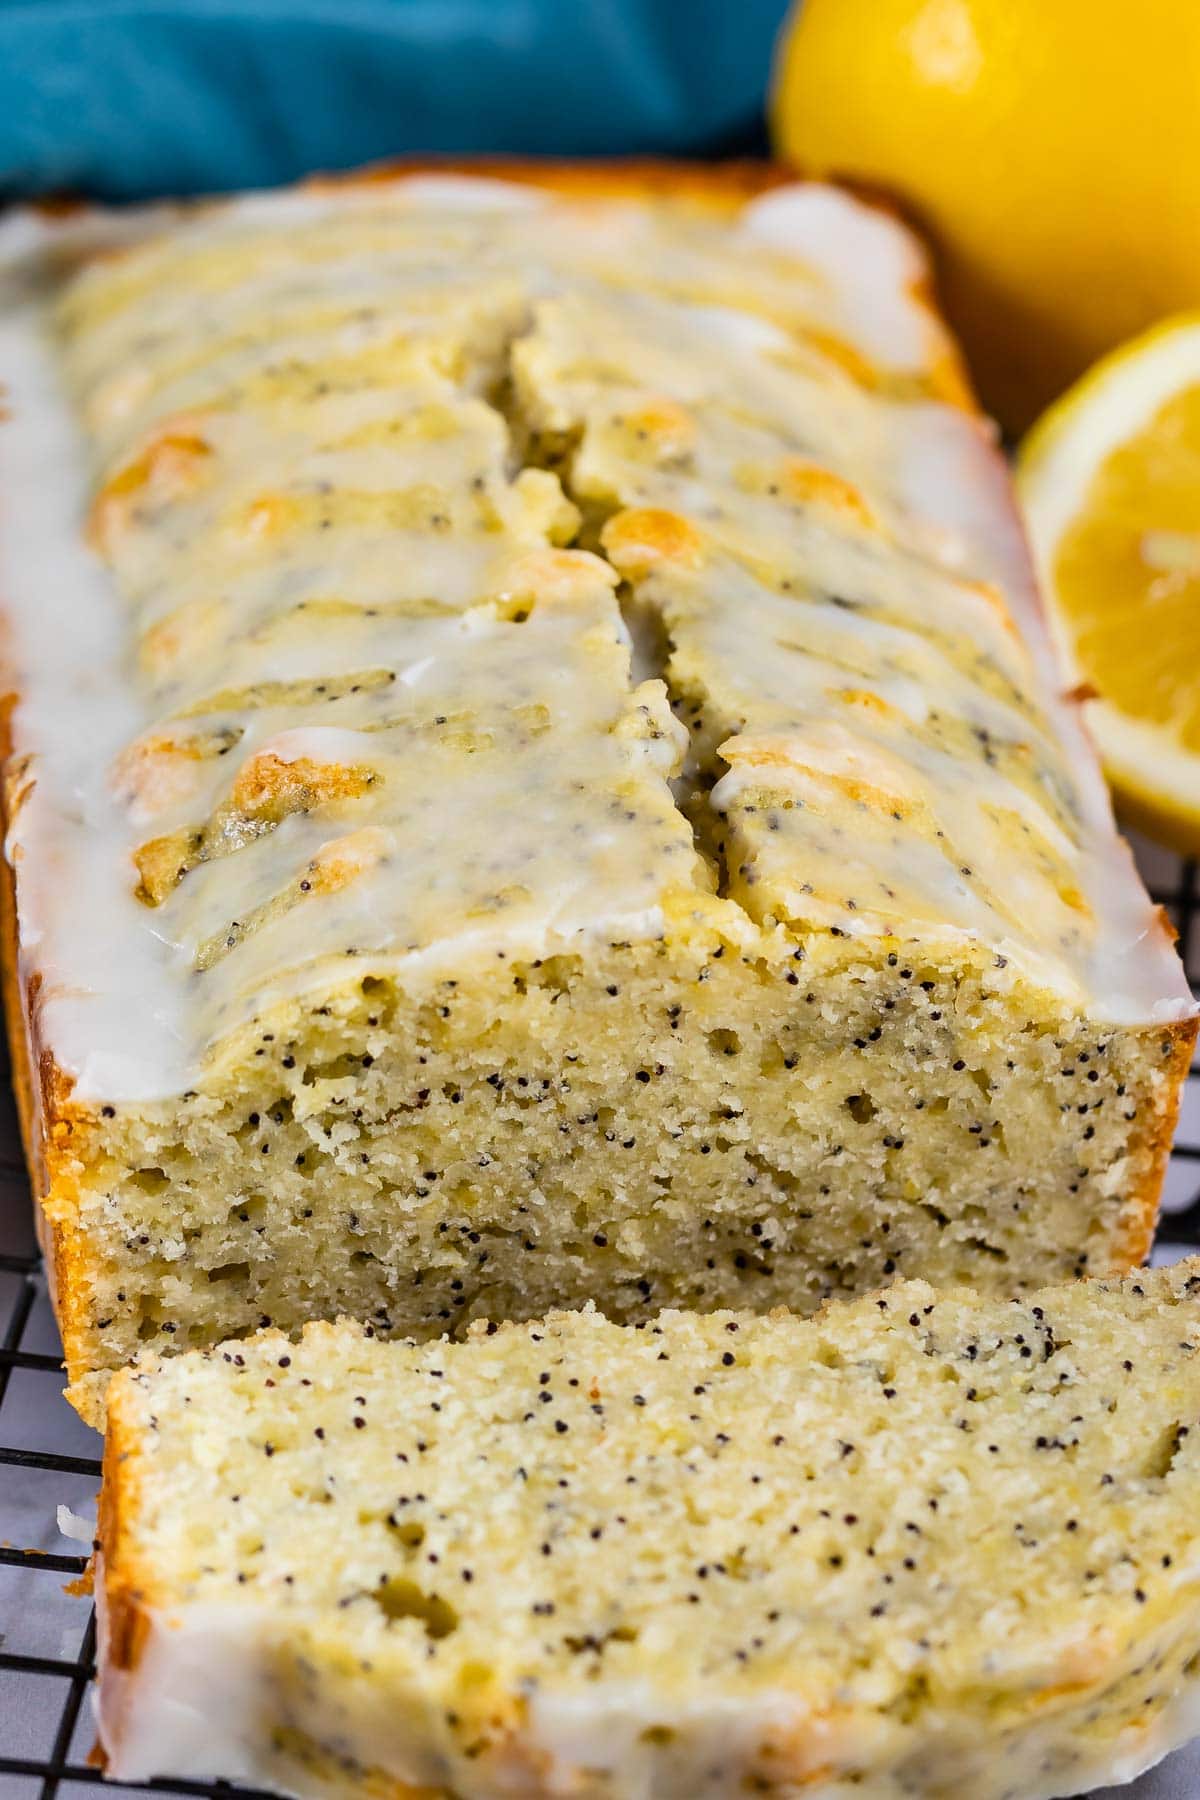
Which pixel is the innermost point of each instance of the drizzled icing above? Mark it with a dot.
(840, 578)
(311, 678)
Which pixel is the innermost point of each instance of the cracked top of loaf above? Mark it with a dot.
(443, 567)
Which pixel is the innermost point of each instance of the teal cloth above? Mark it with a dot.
(125, 99)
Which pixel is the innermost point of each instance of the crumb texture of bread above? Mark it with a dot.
(555, 730)
(920, 1546)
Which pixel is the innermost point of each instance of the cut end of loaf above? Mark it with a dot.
(678, 1124)
(927, 1541)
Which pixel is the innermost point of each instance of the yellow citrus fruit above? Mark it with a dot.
(1110, 483)
(1051, 148)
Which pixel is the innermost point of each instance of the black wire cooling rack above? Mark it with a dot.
(49, 1459)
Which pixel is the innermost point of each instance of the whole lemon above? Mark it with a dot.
(1051, 148)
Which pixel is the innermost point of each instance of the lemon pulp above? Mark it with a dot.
(1127, 573)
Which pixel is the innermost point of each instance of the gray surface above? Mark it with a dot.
(37, 1619)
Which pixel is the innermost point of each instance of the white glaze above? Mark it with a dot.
(197, 1699)
(776, 667)
(873, 268)
(119, 1005)
(203, 1703)
(68, 646)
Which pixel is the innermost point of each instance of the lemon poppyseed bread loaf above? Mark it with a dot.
(537, 774)
(924, 1544)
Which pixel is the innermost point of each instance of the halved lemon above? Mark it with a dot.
(1110, 482)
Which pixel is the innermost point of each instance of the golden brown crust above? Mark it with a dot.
(722, 186)
(1153, 1141)
(126, 1617)
(14, 1004)
(48, 1118)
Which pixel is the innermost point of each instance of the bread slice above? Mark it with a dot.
(549, 781)
(923, 1544)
